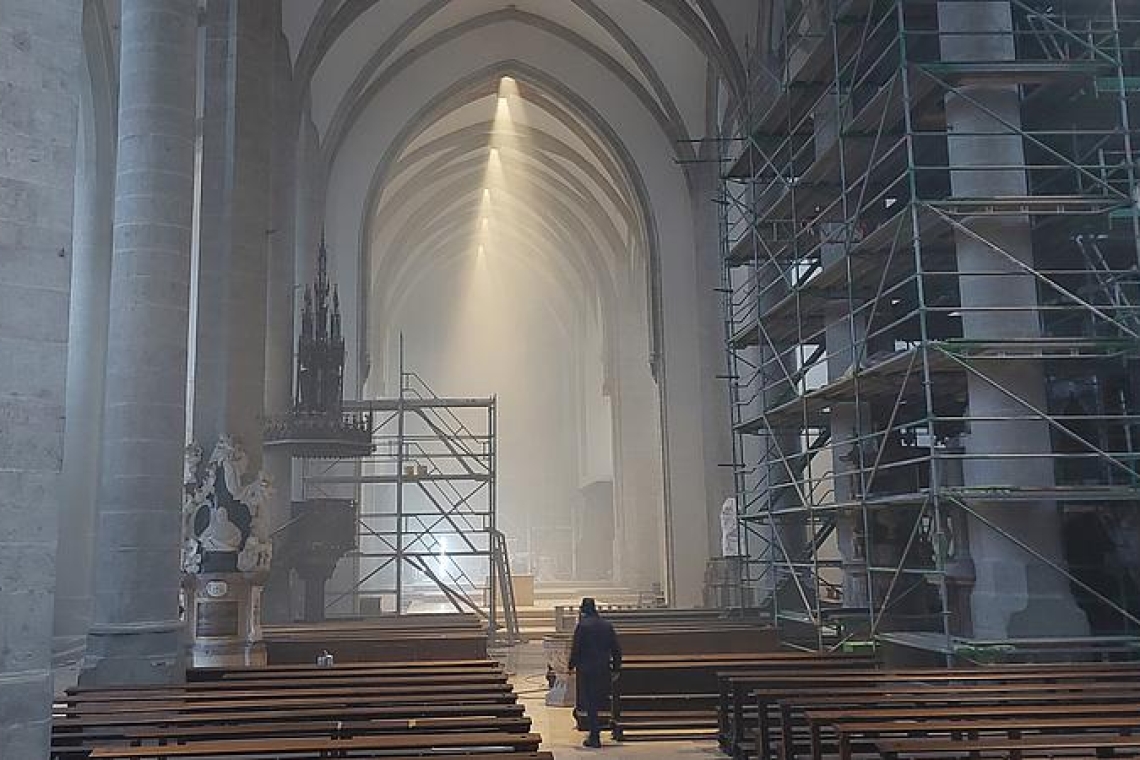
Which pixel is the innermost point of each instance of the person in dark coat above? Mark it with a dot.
(596, 656)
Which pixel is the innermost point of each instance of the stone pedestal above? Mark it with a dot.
(223, 619)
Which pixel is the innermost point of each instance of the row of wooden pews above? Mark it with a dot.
(392, 710)
(667, 688)
(825, 706)
(678, 696)
(436, 636)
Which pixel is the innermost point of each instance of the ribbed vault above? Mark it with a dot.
(553, 139)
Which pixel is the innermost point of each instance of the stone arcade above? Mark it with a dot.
(825, 308)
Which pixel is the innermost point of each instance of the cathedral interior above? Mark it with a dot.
(817, 317)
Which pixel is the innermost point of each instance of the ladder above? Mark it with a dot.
(502, 587)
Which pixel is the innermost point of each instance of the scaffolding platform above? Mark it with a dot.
(929, 233)
(427, 520)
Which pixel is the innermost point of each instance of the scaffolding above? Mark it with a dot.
(427, 524)
(930, 228)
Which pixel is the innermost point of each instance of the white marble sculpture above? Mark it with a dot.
(221, 534)
(255, 556)
(192, 462)
(231, 456)
(191, 556)
(256, 496)
(729, 529)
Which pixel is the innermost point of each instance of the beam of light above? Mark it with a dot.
(499, 311)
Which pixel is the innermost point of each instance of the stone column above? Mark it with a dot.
(136, 635)
(716, 420)
(639, 509)
(696, 406)
(230, 343)
(39, 75)
(279, 315)
(845, 337)
(1015, 593)
(86, 357)
(229, 376)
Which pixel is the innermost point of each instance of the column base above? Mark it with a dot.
(25, 702)
(149, 653)
(1024, 601)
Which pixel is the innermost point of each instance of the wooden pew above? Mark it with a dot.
(1082, 745)
(734, 685)
(773, 686)
(408, 745)
(63, 746)
(313, 687)
(864, 727)
(566, 617)
(734, 638)
(790, 718)
(303, 670)
(666, 696)
(408, 637)
(342, 697)
(400, 711)
(69, 728)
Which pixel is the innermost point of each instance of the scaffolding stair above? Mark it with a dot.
(501, 567)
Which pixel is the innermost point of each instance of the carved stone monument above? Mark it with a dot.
(226, 553)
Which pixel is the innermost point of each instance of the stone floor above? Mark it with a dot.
(560, 737)
(527, 666)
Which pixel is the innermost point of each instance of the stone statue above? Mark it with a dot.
(191, 464)
(191, 556)
(256, 496)
(193, 492)
(255, 556)
(220, 535)
(729, 529)
(233, 460)
(220, 488)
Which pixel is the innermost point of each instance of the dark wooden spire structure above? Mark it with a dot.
(317, 426)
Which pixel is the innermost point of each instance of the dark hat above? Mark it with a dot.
(589, 607)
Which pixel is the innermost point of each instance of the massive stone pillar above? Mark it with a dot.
(136, 634)
(87, 337)
(229, 372)
(279, 312)
(232, 308)
(698, 433)
(845, 338)
(39, 57)
(715, 419)
(638, 499)
(1016, 594)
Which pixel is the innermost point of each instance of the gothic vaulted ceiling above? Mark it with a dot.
(434, 70)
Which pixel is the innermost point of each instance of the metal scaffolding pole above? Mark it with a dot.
(931, 241)
(427, 530)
